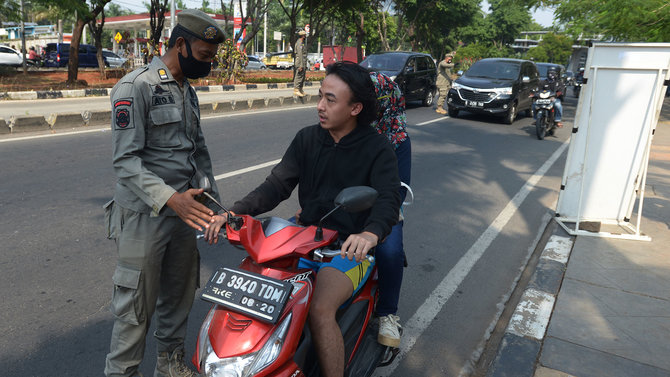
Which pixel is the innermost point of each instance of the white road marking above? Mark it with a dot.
(431, 121)
(246, 170)
(53, 135)
(431, 307)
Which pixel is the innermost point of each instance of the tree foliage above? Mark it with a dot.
(618, 20)
(553, 48)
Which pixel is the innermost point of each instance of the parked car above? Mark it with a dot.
(279, 60)
(543, 68)
(58, 55)
(255, 63)
(495, 86)
(414, 72)
(10, 57)
(113, 60)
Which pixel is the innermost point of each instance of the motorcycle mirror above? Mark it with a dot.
(351, 199)
(203, 182)
(356, 198)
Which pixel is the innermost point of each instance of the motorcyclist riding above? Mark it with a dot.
(552, 84)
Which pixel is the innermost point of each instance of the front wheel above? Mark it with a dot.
(511, 114)
(430, 98)
(541, 125)
(453, 112)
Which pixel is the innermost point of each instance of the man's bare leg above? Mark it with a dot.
(333, 288)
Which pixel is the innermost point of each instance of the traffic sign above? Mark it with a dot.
(118, 37)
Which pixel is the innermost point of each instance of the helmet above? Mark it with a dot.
(552, 74)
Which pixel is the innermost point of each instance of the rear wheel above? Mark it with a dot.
(541, 126)
(430, 98)
(511, 114)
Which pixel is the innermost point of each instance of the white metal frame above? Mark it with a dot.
(641, 177)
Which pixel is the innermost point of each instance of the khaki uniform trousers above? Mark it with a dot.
(444, 89)
(157, 271)
(299, 79)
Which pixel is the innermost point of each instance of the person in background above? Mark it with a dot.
(390, 255)
(299, 64)
(552, 84)
(444, 80)
(33, 56)
(159, 156)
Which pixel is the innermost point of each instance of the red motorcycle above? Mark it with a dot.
(257, 326)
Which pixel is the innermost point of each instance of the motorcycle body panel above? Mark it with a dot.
(274, 247)
(290, 240)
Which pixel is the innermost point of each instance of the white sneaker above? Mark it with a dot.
(389, 331)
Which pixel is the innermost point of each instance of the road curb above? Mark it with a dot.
(103, 117)
(74, 93)
(521, 344)
(4, 128)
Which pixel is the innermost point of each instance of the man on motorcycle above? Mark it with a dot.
(341, 151)
(552, 84)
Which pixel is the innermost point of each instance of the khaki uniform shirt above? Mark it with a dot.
(444, 74)
(157, 140)
(300, 55)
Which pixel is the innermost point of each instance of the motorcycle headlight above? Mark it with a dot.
(246, 365)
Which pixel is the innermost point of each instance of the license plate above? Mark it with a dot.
(249, 293)
(474, 104)
(543, 101)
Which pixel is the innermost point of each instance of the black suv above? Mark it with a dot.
(414, 72)
(495, 86)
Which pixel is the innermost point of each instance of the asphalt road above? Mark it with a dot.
(483, 192)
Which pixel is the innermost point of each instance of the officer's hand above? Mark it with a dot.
(358, 245)
(217, 222)
(301, 69)
(192, 212)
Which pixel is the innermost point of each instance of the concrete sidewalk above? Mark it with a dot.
(605, 302)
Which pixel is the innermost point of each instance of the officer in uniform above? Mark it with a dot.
(300, 64)
(159, 157)
(444, 80)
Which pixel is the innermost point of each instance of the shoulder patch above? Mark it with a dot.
(122, 114)
(162, 74)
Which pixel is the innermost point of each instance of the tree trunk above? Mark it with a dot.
(360, 35)
(73, 62)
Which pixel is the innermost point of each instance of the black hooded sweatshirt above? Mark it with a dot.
(322, 168)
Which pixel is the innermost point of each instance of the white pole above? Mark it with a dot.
(171, 16)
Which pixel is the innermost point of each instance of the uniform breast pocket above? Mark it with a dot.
(164, 129)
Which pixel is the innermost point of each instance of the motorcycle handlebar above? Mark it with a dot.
(319, 254)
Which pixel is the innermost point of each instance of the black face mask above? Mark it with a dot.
(191, 67)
